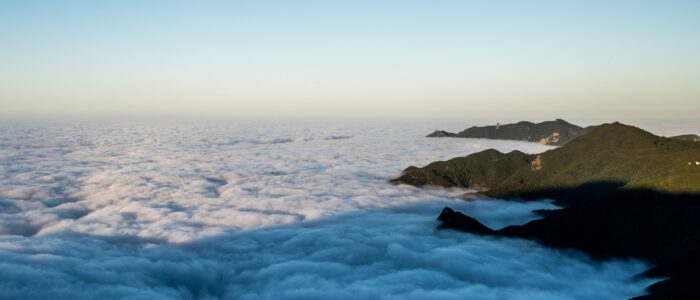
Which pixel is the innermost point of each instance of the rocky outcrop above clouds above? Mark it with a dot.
(616, 154)
(557, 132)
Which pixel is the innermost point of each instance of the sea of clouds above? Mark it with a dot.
(250, 210)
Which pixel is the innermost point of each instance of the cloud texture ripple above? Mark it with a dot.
(256, 211)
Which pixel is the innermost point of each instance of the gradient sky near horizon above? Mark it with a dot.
(491, 59)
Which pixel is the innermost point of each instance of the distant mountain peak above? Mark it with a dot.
(557, 132)
(440, 133)
(618, 135)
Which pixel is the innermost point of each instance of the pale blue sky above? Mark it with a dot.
(454, 59)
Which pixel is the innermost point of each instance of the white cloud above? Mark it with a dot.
(375, 254)
(257, 211)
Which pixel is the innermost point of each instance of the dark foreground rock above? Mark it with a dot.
(661, 228)
(557, 132)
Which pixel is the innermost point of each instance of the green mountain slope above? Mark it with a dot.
(618, 154)
(557, 132)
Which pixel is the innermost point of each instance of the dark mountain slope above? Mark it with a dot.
(661, 228)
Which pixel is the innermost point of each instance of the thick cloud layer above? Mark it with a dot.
(180, 182)
(378, 254)
(259, 211)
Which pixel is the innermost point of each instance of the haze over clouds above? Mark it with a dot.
(247, 211)
(511, 60)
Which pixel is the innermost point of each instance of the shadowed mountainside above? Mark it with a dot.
(662, 228)
(557, 132)
(616, 154)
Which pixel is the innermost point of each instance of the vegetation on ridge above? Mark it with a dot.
(614, 153)
(557, 132)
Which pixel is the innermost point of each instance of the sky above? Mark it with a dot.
(505, 60)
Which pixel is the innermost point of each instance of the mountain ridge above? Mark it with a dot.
(556, 132)
(610, 152)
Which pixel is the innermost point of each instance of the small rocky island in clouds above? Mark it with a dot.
(626, 193)
(557, 132)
